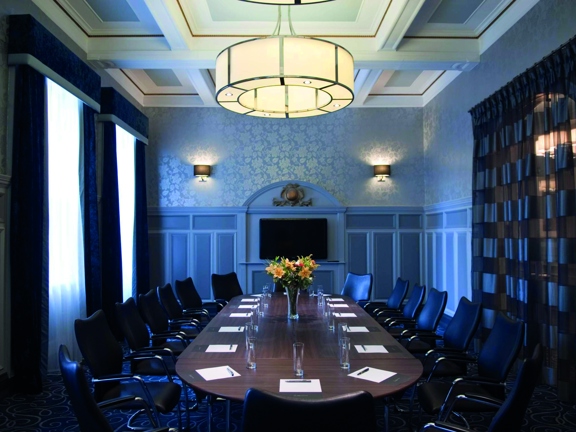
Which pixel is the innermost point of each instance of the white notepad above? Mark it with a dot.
(218, 372)
(242, 314)
(372, 374)
(357, 329)
(294, 385)
(250, 306)
(344, 314)
(366, 349)
(222, 348)
(336, 299)
(249, 300)
(338, 305)
(238, 329)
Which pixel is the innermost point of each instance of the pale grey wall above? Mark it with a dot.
(448, 140)
(335, 151)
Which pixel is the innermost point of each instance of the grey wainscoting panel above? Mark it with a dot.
(168, 222)
(373, 221)
(408, 221)
(438, 261)
(357, 254)
(225, 253)
(383, 265)
(326, 279)
(434, 221)
(214, 222)
(158, 255)
(201, 254)
(410, 257)
(451, 265)
(430, 269)
(179, 256)
(457, 219)
(259, 278)
(464, 253)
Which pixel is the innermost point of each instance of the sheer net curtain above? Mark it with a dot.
(65, 234)
(125, 153)
(524, 210)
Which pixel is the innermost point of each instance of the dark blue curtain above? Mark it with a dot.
(92, 264)
(28, 233)
(142, 259)
(111, 247)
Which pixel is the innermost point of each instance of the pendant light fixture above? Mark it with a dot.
(284, 76)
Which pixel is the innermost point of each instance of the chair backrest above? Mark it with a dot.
(226, 286)
(187, 293)
(153, 313)
(500, 348)
(463, 325)
(100, 349)
(169, 302)
(414, 301)
(267, 411)
(358, 287)
(510, 416)
(132, 325)
(398, 294)
(432, 311)
(90, 417)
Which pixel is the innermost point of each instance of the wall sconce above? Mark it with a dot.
(202, 171)
(381, 171)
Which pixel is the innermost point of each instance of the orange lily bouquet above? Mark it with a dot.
(296, 273)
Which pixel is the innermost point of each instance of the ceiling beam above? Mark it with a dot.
(203, 84)
(363, 85)
(171, 22)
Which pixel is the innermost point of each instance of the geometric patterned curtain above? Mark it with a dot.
(524, 210)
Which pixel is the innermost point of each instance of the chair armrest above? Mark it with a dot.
(131, 400)
(127, 377)
(443, 426)
(171, 335)
(453, 359)
(489, 401)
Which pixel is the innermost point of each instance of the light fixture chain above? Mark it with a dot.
(276, 31)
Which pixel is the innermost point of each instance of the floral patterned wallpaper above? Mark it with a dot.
(335, 151)
(448, 140)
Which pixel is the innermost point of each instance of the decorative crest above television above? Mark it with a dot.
(292, 195)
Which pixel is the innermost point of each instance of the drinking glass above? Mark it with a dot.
(342, 329)
(330, 316)
(254, 317)
(265, 290)
(298, 356)
(249, 332)
(344, 351)
(251, 353)
(320, 294)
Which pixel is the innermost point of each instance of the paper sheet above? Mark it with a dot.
(243, 315)
(249, 306)
(293, 385)
(366, 349)
(335, 299)
(357, 329)
(225, 329)
(249, 300)
(219, 372)
(222, 348)
(372, 374)
(338, 305)
(344, 314)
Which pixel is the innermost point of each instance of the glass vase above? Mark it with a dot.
(292, 294)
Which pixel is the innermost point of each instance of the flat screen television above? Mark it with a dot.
(291, 238)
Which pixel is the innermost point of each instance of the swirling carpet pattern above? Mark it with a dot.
(50, 411)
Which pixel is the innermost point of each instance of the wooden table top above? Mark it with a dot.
(275, 336)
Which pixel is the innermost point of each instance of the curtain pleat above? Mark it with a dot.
(28, 233)
(92, 261)
(524, 210)
(111, 244)
(141, 261)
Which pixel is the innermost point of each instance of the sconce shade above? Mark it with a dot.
(381, 170)
(202, 170)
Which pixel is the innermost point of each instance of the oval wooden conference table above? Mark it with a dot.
(276, 333)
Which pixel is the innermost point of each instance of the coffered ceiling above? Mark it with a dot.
(163, 52)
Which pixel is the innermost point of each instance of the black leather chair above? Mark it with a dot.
(358, 287)
(88, 412)
(266, 411)
(157, 319)
(394, 302)
(457, 335)
(225, 287)
(426, 321)
(104, 357)
(410, 309)
(190, 299)
(510, 414)
(494, 361)
(175, 311)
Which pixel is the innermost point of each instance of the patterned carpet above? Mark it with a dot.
(50, 411)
